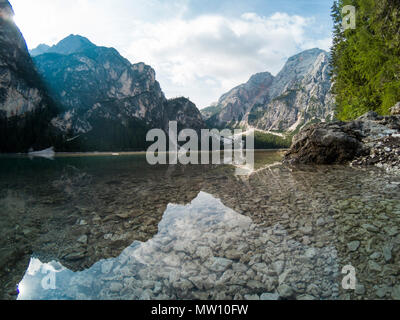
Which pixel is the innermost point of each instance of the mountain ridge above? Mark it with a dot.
(25, 106)
(298, 94)
(77, 96)
(90, 98)
(100, 88)
(69, 45)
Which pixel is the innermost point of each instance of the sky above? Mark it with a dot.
(200, 49)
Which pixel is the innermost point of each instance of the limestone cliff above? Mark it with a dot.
(109, 102)
(300, 93)
(25, 108)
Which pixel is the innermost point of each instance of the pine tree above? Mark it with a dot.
(366, 61)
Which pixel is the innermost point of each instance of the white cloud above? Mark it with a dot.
(201, 57)
(189, 55)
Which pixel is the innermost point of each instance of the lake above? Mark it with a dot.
(97, 226)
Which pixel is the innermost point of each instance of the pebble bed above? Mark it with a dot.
(202, 233)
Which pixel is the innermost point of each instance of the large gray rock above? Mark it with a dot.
(326, 143)
(220, 264)
(269, 296)
(396, 109)
(285, 291)
(396, 292)
(353, 246)
(371, 139)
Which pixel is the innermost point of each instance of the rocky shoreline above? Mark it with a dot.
(370, 140)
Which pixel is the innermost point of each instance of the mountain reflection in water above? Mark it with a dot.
(117, 228)
(187, 260)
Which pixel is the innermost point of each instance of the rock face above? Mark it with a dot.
(100, 89)
(234, 105)
(23, 100)
(96, 82)
(184, 112)
(300, 93)
(18, 91)
(396, 109)
(370, 140)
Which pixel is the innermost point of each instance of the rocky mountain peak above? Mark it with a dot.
(260, 78)
(9, 30)
(81, 75)
(6, 10)
(298, 94)
(16, 68)
(72, 44)
(296, 68)
(102, 91)
(233, 106)
(40, 49)
(84, 97)
(69, 45)
(25, 108)
(306, 54)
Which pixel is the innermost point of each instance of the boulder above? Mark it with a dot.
(327, 143)
(369, 140)
(396, 109)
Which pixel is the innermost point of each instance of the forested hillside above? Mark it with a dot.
(366, 60)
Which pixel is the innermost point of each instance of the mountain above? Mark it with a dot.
(69, 45)
(109, 103)
(42, 48)
(25, 107)
(300, 93)
(185, 113)
(97, 82)
(234, 105)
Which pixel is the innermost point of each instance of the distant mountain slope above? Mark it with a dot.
(234, 105)
(298, 94)
(69, 45)
(42, 48)
(109, 102)
(25, 108)
(99, 82)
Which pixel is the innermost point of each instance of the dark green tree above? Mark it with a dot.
(366, 60)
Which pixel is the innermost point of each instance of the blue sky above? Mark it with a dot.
(199, 48)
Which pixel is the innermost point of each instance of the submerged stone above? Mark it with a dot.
(354, 245)
(269, 296)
